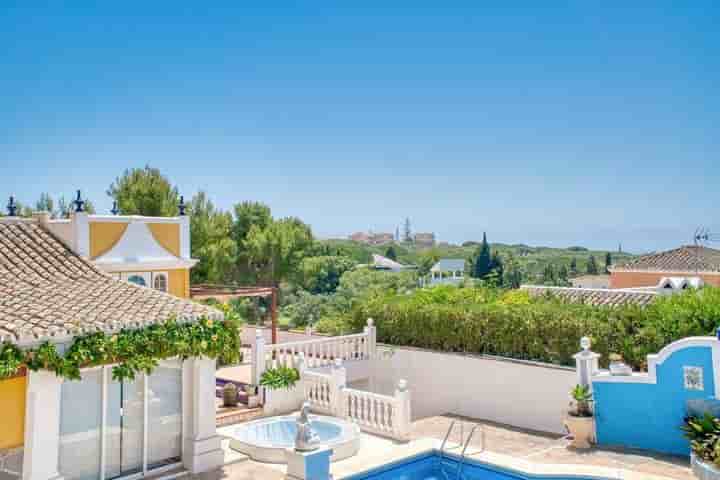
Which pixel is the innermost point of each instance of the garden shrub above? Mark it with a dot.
(487, 321)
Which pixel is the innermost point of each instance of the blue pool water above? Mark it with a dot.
(431, 467)
(281, 432)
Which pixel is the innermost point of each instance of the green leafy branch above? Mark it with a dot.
(133, 351)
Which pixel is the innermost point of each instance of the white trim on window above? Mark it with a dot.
(160, 281)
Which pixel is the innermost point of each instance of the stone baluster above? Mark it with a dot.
(402, 420)
(586, 363)
(258, 356)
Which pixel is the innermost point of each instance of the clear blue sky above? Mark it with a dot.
(585, 122)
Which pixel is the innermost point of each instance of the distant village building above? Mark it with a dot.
(448, 270)
(424, 240)
(683, 262)
(361, 237)
(373, 238)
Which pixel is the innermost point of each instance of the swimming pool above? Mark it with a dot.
(431, 466)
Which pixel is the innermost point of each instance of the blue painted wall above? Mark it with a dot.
(649, 416)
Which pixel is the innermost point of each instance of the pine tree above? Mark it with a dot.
(408, 232)
(391, 253)
(549, 276)
(483, 260)
(496, 266)
(513, 273)
(592, 266)
(573, 266)
(563, 275)
(608, 262)
(45, 204)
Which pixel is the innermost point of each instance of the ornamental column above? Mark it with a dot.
(203, 450)
(42, 426)
(586, 363)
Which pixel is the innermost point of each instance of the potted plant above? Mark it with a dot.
(579, 419)
(230, 395)
(279, 393)
(280, 378)
(252, 395)
(704, 435)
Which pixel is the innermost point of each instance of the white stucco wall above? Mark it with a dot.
(522, 394)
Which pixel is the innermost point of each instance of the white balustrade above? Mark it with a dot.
(319, 352)
(381, 414)
(318, 391)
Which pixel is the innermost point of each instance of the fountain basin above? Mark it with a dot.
(266, 440)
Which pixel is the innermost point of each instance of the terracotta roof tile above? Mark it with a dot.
(595, 296)
(689, 258)
(46, 290)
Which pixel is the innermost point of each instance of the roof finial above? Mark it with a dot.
(79, 202)
(12, 207)
(115, 209)
(182, 206)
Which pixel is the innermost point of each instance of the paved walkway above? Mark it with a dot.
(543, 448)
(526, 446)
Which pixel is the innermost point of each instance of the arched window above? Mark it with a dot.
(137, 280)
(160, 282)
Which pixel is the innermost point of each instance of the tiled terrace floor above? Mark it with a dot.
(529, 446)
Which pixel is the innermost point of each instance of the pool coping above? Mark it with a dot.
(426, 447)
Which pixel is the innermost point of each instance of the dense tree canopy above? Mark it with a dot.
(275, 251)
(145, 191)
(211, 241)
(321, 275)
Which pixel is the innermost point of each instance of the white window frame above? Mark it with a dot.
(164, 275)
(106, 378)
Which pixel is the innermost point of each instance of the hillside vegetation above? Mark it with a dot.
(533, 261)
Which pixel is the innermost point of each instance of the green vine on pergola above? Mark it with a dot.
(133, 351)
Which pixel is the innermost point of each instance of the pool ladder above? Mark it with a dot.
(464, 442)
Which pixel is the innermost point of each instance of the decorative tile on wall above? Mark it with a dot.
(693, 378)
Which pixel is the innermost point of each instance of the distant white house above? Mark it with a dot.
(383, 263)
(447, 271)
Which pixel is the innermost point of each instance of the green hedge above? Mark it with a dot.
(539, 329)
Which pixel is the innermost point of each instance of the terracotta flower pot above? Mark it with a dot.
(704, 470)
(582, 430)
(230, 395)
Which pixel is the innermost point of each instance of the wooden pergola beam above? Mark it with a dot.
(225, 293)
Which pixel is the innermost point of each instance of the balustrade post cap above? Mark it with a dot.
(370, 322)
(402, 385)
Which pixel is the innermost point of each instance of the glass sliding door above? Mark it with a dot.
(111, 430)
(124, 428)
(81, 427)
(164, 399)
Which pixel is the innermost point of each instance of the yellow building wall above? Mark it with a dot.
(104, 236)
(167, 235)
(12, 412)
(179, 283)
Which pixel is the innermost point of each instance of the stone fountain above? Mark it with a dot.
(308, 460)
